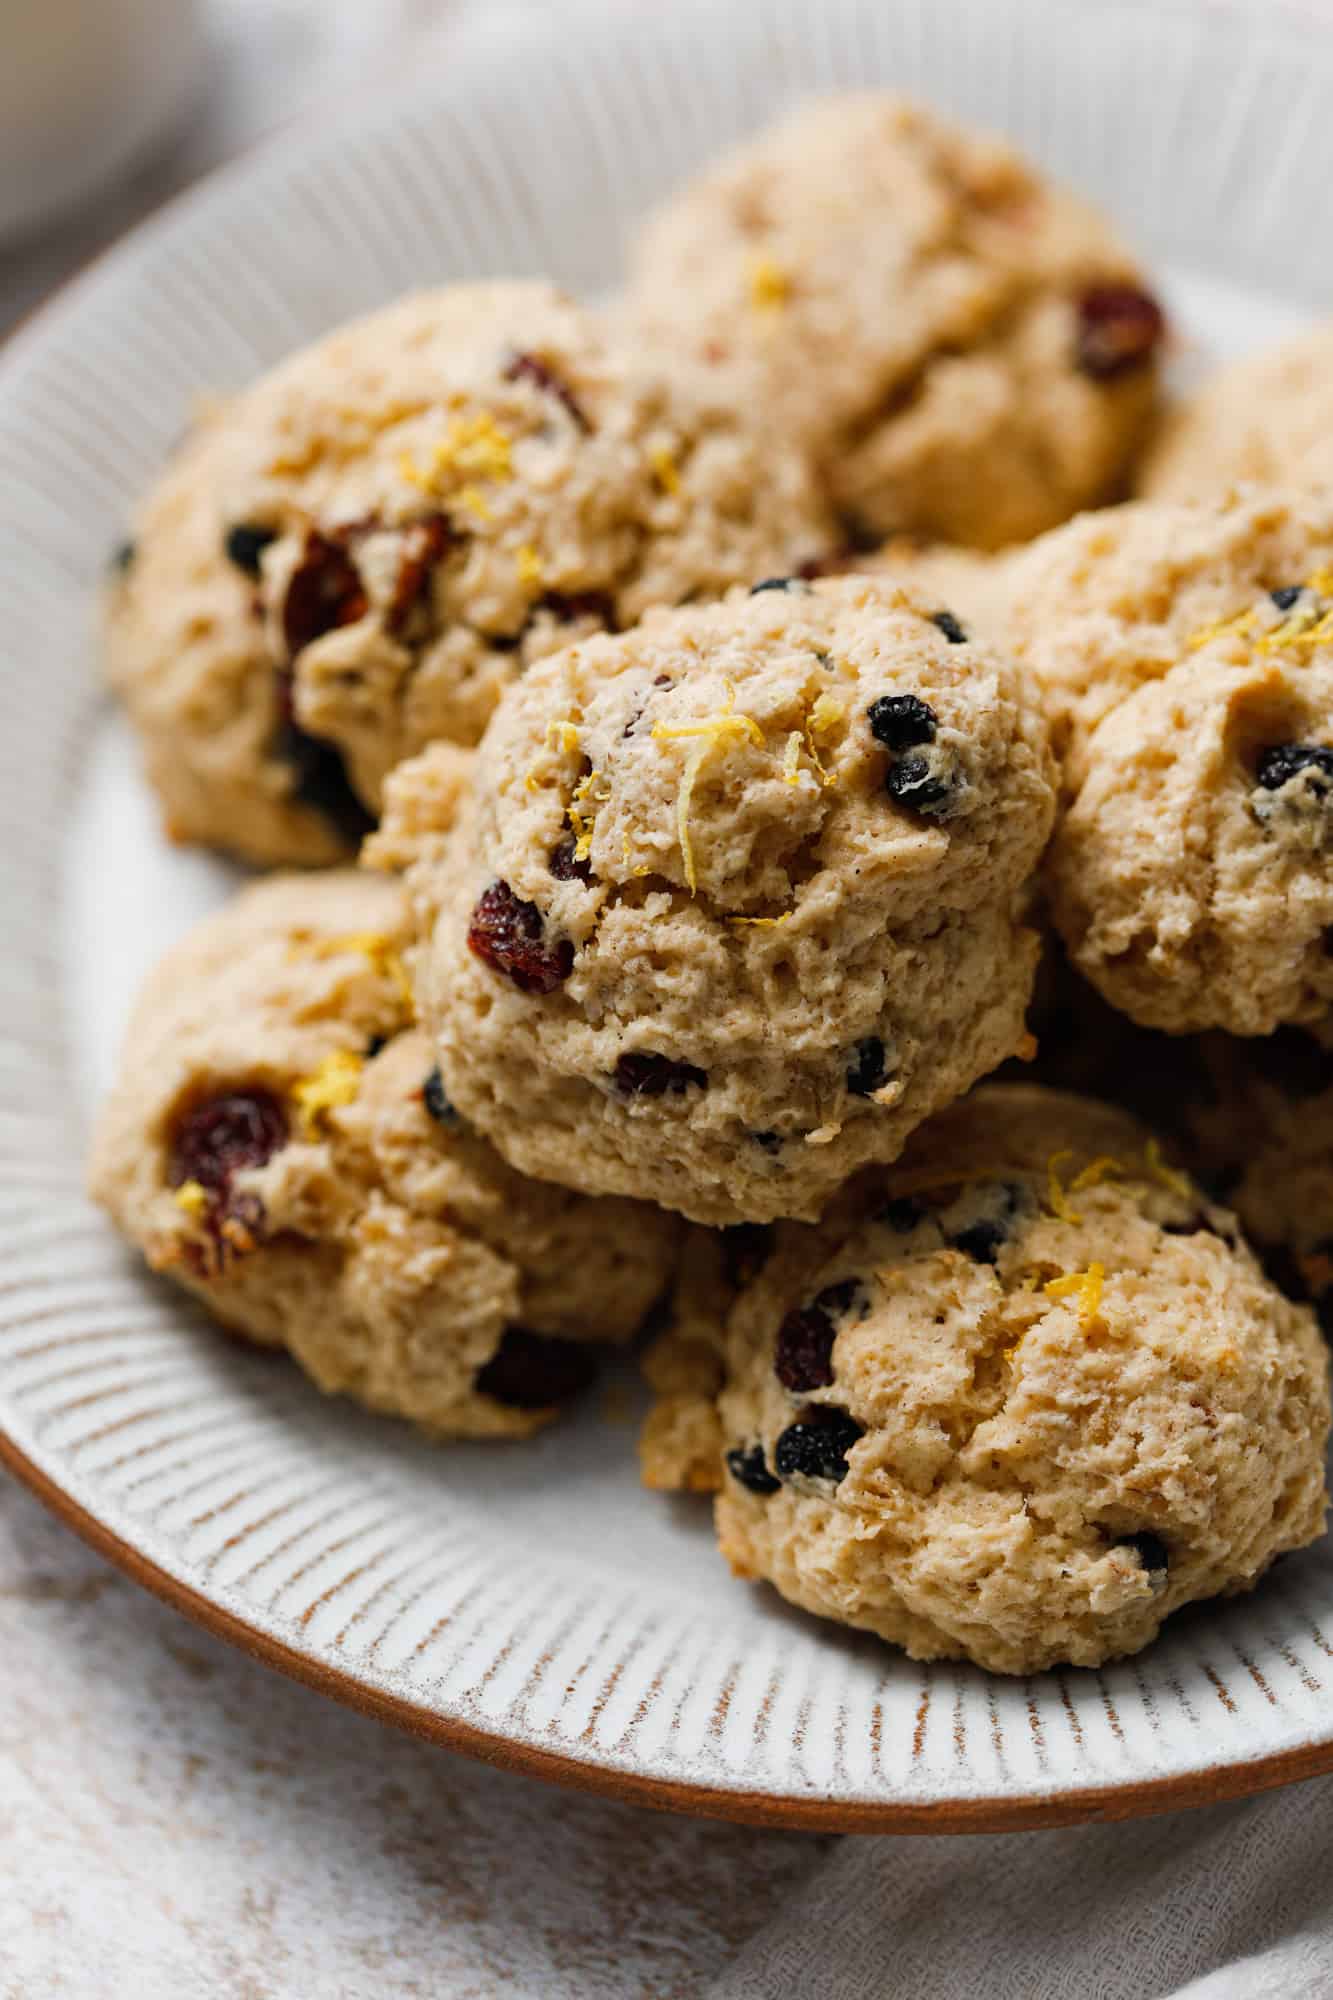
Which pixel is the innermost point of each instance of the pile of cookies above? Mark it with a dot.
(723, 743)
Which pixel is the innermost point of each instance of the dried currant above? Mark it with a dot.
(436, 1101)
(794, 584)
(1150, 1549)
(868, 1070)
(767, 1142)
(902, 1214)
(749, 1468)
(319, 778)
(570, 605)
(983, 1239)
(531, 368)
(565, 864)
(949, 625)
(902, 721)
(1287, 760)
(325, 592)
(817, 1444)
(507, 934)
(528, 1371)
(1287, 595)
(642, 1073)
(913, 781)
(245, 544)
(121, 559)
(1119, 330)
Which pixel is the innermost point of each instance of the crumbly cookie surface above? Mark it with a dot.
(355, 556)
(1267, 419)
(280, 1142)
(740, 899)
(1186, 656)
(1019, 1397)
(1011, 381)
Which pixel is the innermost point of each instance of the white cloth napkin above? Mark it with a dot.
(1231, 1903)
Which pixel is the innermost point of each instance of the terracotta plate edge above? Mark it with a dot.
(1028, 1811)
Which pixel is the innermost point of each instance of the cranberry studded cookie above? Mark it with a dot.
(1267, 419)
(962, 349)
(1019, 1397)
(355, 556)
(741, 898)
(1186, 656)
(280, 1142)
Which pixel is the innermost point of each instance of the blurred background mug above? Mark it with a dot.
(87, 89)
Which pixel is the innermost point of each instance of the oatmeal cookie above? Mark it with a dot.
(962, 349)
(280, 1142)
(1019, 1397)
(741, 898)
(355, 556)
(1186, 657)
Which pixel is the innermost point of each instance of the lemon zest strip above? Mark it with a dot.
(1055, 1193)
(1086, 1286)
(712, 732)
(334, 1083)
(193, 1197)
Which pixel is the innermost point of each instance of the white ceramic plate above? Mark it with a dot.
(535, 1605)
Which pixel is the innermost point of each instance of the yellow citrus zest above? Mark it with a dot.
(665, 470)
(712, 732)
(529, 565)
(192, 1196)
(334, 1083)
(1086, 1286)
(770, 286)
(1055, 1194)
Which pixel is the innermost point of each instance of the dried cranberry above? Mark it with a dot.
(506, 933)
(319, 778)
(531, 368)
(1119, 328)
(325, 591)
(530, 1372)
(246, 543)
(749, 1468)
(424, 544)
(868, 1070)
(1150, 1549)
(642, 1073)
(913, 781)
(745, 1250)
(902, 721)
(220, 1136)
(949, 625)
(1287, 760)
(804, 1354)
(817, 1444)
(564, 862)
(436, 1101)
